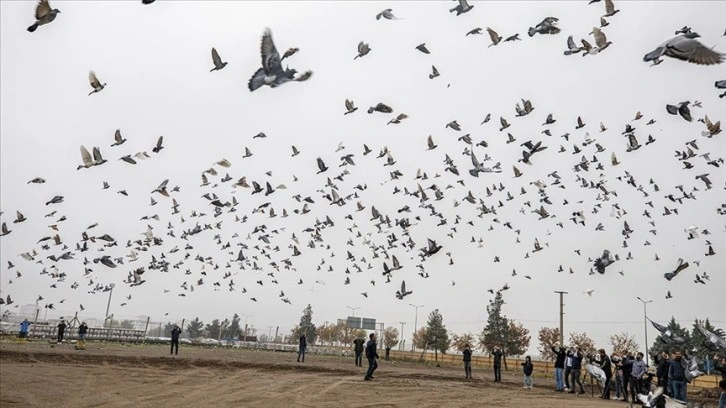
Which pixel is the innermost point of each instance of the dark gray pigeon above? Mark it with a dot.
(43, 15)
(681, 266)
(685, 47)
(461, 8)
(547, 26)
(667, 336)
(681, 109)
(271, 72)
(603, 261)
(422, 48)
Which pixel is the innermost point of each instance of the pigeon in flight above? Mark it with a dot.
(666, 334)
(681, 266)
(422, 48)
(43, 15)
(685, 47)
(387, 14)
(604, 261)
(217, 61)
(95, 83)
(363, 50)
(461, 8)
(713, 342)
(271, 72)
(547, 26)
(400, 294)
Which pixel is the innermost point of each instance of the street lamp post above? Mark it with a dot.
(645, 325)
(353, 309)
(108, 305)
(415, 324)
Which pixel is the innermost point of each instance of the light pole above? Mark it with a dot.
(400, 346)
(353, 309)
(562, 314)
(246, 316)
(415, 324)
(108, 305)
(645, 326)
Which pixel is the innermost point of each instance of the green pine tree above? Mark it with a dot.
(437, 337)
(195, 328)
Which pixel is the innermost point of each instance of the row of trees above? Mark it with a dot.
(226, 328)
(511, 336)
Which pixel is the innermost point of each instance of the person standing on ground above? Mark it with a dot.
(527, 369)
(388, 354)
(636, 377)
(497, 354)
(677, 376)
(61, 330)
(175, 332)
(568, 368)
(607, 367)
(559, 367)
(358, 345)
(662, 372)
(719, 363)
(722, 397)
(618, 378)
(372, 356)
(23, 332)
(575, 371)
(301, 348)
(82, 329)
(627, 366)
(467, 361)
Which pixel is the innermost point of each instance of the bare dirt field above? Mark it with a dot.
(112, 375)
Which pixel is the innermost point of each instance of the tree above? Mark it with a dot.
(586, 344)
(548, 337)
(390, 337)
(306, 326)
(624, 343)
(232, 329)
(699, 342)
(214, 329)
(459, 341)
(360, 333)
(344, 333)
(517, 341)
(669, 346)
(195, 328)
(419, 338)
(495, 332)
(437, 336)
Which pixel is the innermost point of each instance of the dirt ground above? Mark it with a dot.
(111, 375)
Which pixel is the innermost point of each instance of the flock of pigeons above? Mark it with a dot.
(376, 239)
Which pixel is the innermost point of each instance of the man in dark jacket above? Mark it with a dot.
(497, 354)
(662, 372)
(677, 377)
(61, 330)
(575, 372)
(627, 366)
(175, 332)
(372, 356)
(559, 367)
(82, 329)
(467, 361)
(719, 363)
(607, 367)
(358, 348)
(301, 348)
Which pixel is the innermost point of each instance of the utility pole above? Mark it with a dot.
(400, 346)
(108, 305)
(645, 326)
(415, 325)
(562, 314)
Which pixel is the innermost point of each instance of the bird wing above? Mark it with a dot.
(658, 327)
(215, 58)
(159, 141)
(270, 56)
(97, 154)
(93, 80)
(692, 50)
(464, 4)
(321, 164)
(609, 7)
(493, 35)
(600, 38)
(42, 9)
(86, 156)
(349, 104)
(117, 135)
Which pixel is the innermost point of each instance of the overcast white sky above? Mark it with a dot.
(156, 61)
